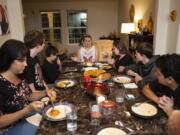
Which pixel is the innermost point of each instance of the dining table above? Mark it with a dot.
(78, 95)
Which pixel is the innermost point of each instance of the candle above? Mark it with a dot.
(100, 98)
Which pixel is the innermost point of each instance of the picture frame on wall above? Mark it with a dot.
(4, 22)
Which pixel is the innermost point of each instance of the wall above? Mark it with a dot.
(173, 35)
(102, 16)
(143, 9)
(167, 32)
(16, 22)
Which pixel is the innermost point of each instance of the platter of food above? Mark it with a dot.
(144, 110)
(65, 83)
(122, 79)
(97, 75)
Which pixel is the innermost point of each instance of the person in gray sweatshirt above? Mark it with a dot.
(143, 70)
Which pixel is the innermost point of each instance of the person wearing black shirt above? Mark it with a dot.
(35, 42)
(16, 98)
(51, 63)
(121, 57)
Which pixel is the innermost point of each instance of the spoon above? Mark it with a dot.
(119, 123)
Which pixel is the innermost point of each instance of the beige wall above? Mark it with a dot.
(102, 16)
(143, 9)
(167, 32)
(16, 22)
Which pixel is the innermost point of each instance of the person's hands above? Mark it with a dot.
(35, 106)
(121, 69)
(131, 73)
(174, 122)
(166, 104)
(110, 61)
(51, 94)
(137, 78)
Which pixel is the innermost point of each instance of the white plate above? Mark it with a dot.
(122, 79)
(111, 131)
(65, 83)
(144, 109)
(63, 111)
(89, 68)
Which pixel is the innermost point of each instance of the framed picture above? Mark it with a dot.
(4, 23)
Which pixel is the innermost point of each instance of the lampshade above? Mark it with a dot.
(127, 28)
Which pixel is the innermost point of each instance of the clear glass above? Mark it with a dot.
(71, 118)
(120, 93)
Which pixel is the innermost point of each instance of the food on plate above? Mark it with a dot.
(122, 79)
(97, 75)
(144, 109)
(65, 83)
(88, 64)
(54, 112)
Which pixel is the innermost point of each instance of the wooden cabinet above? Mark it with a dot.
(135, 38)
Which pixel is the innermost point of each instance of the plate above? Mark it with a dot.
(63, 110)
(144, 110)
(72, 74)
(89, 68)
(65, 83)
(111, 131)
(88, 64)
(122, 79)
(97, 75)
(103, 65)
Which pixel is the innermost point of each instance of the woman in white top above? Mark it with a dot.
(87, 53)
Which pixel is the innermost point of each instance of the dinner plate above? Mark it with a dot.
(111, 131)
(89, 68)
(121, 79)
(63, 109)
(144, 110)
(105, 66)
(65, 83)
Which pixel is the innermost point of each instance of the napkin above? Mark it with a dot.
(130, 86)
(34, 119)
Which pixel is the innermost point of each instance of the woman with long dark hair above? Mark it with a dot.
(15, 95)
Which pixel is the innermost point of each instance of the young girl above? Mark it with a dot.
(15, 95)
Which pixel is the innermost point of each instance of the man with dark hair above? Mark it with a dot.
(143, 70)
(167, 83)
(51, 63)
(165, 91)
(35, 42)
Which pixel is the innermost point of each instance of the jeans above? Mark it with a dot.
(21, 128)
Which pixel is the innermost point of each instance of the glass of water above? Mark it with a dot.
(120, 93)
(71, 118)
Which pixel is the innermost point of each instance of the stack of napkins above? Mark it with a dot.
(35, 119)
(130, 86)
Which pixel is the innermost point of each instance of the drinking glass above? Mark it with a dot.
(71, 118)
(120, 93)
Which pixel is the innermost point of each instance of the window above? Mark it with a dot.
(77, 25)
(51, 25)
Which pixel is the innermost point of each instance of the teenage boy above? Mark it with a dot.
(143, 70)
(35, 42)
(165, 91)
(51, 63)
